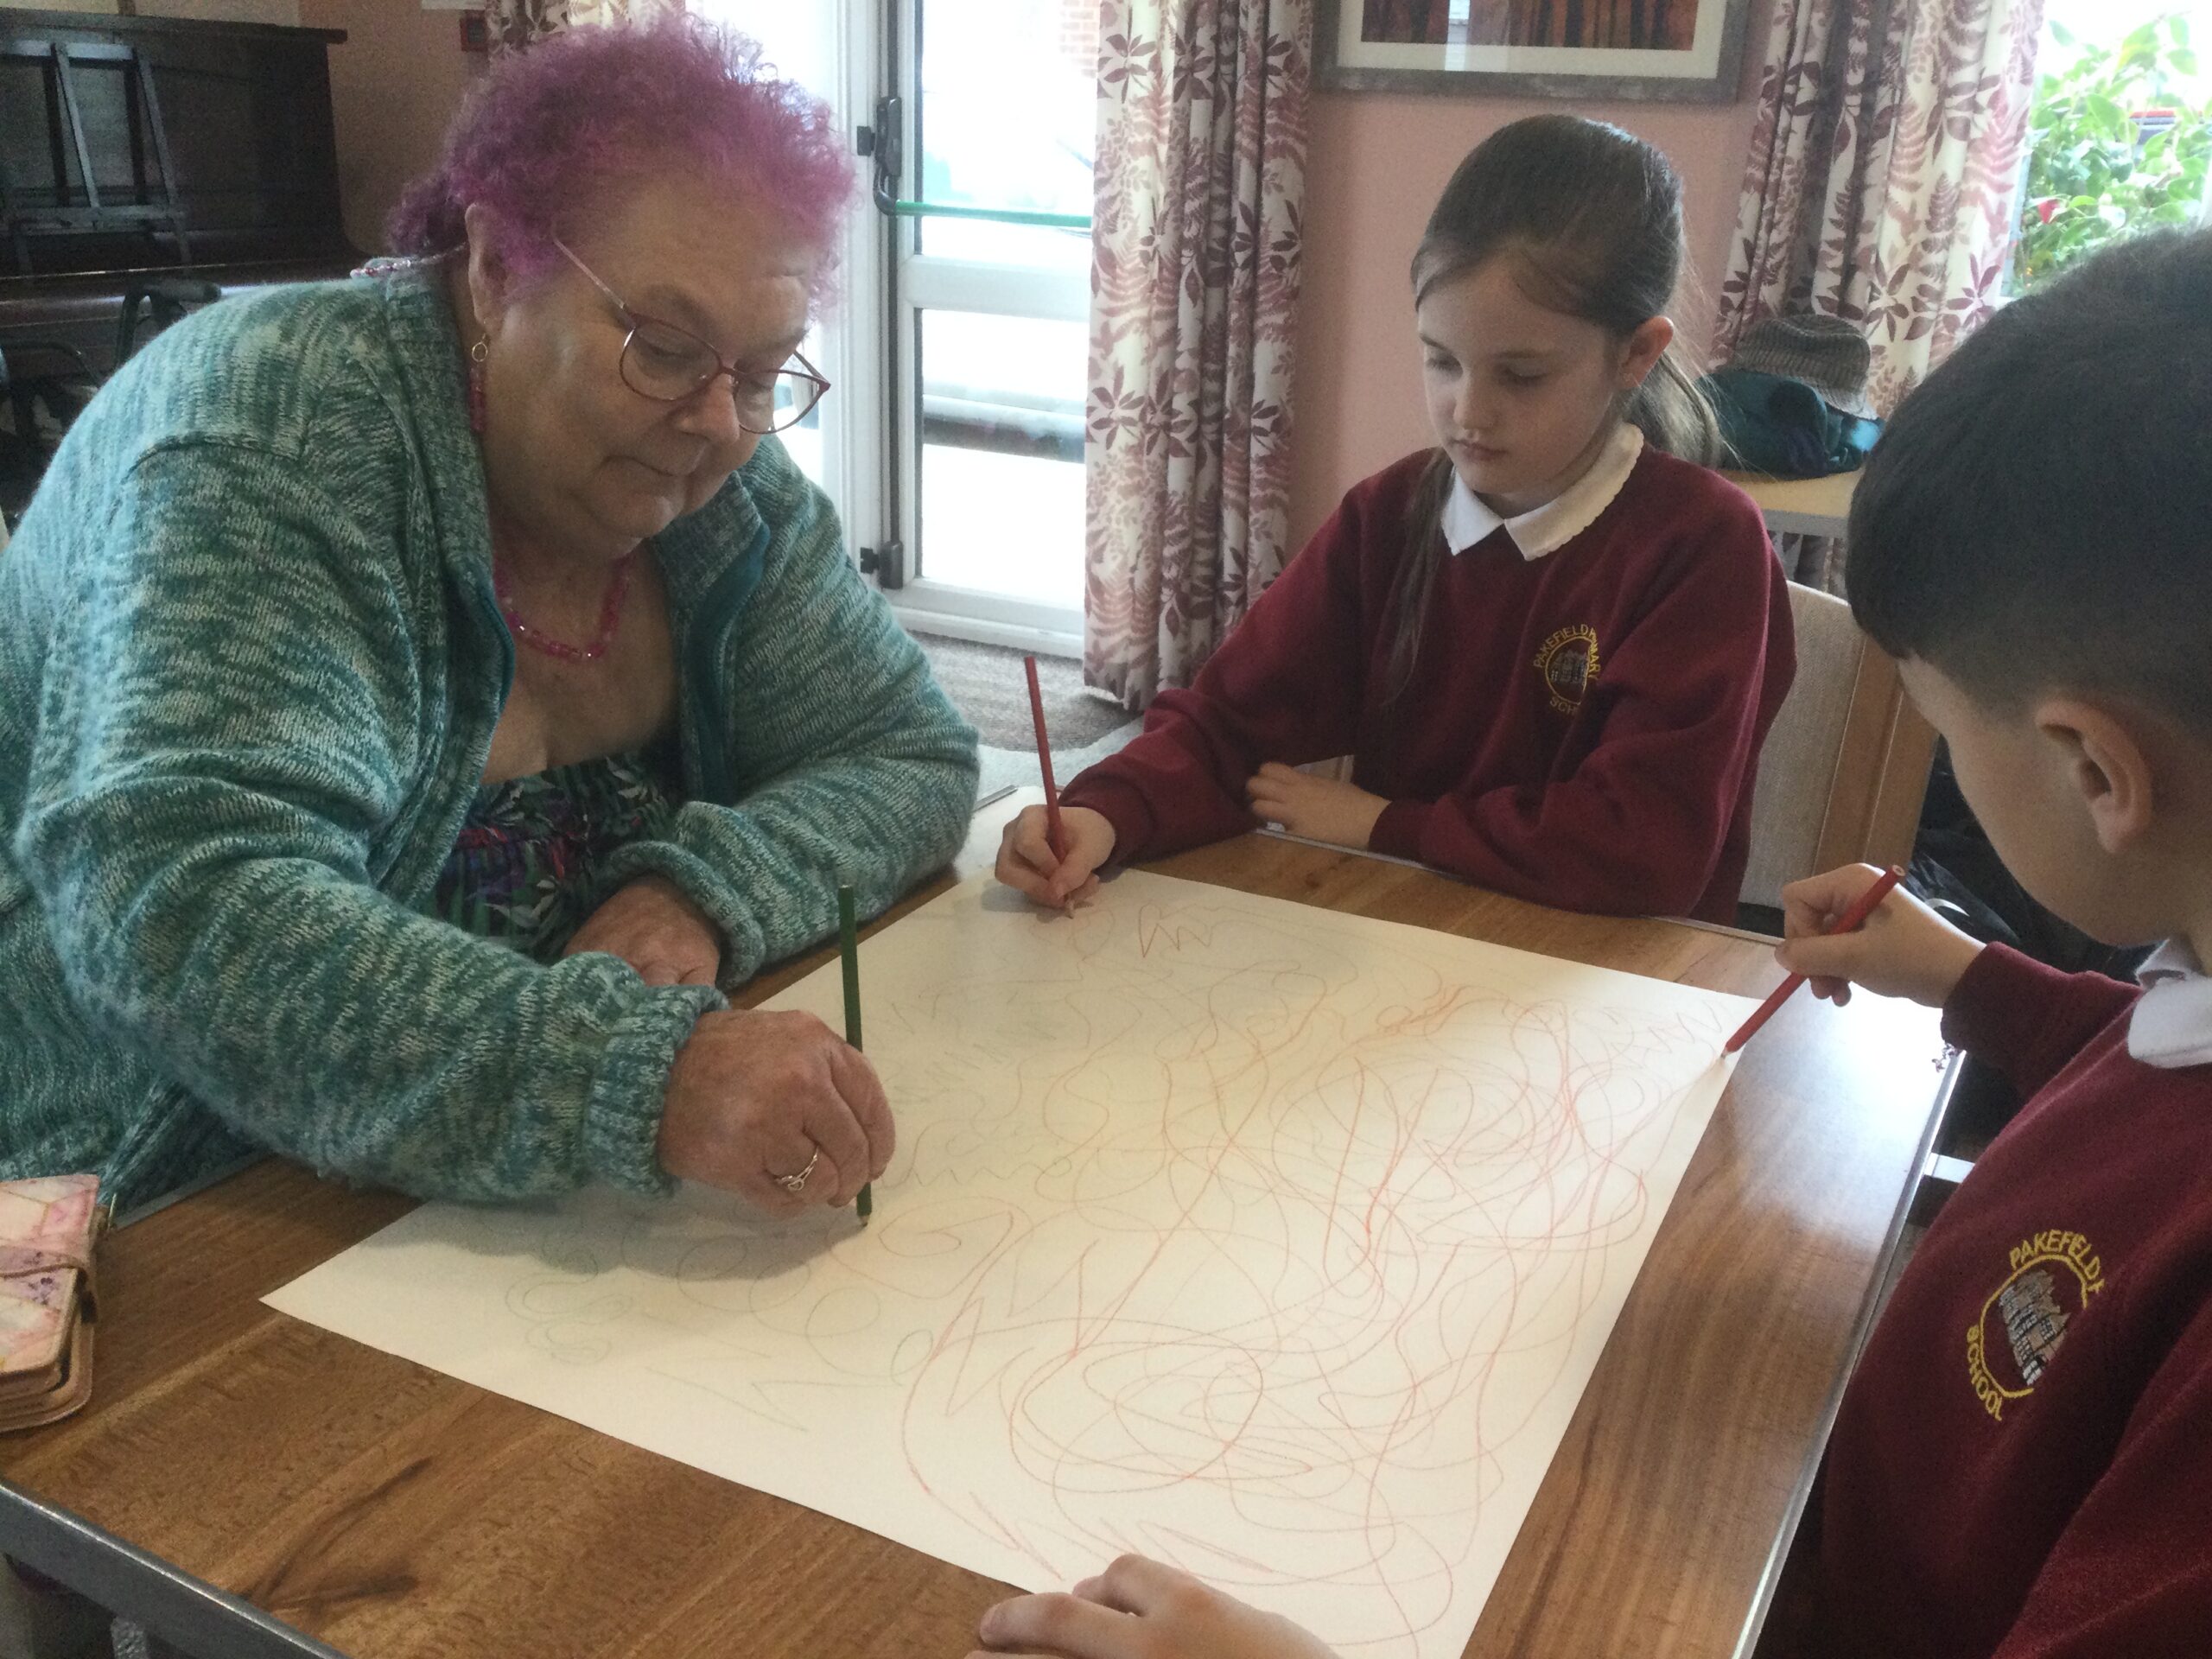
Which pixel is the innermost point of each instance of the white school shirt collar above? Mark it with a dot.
(2171, 1026)
(1544, 530)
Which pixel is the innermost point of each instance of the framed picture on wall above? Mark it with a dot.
(1686, 49)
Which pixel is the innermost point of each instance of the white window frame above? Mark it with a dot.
(853, 335)
(922, 282)
(854, 439)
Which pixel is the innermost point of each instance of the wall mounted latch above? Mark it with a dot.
(881, 141)
(886, 562)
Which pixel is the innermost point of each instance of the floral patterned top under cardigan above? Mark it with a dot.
(527, 869)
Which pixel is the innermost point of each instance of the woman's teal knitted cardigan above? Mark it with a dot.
(250, 664)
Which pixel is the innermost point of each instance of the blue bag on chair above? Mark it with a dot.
(1783, 428)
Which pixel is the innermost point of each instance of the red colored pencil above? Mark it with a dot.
(1854, 918)
(1054, 832)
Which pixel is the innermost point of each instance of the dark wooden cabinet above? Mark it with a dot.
(146, 164)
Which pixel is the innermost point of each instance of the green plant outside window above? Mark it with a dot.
(2098, 166)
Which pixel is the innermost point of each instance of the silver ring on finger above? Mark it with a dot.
(796, 1184)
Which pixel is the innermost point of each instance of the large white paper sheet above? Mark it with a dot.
(1275, 1242)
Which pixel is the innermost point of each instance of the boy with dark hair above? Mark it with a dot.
(2023, 1464)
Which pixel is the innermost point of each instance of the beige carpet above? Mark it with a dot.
(986, 683)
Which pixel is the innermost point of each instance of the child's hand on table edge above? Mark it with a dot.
(1138, 1609)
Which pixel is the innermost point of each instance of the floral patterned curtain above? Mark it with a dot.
(513, 24)
(1883, 168)
(1200, 173)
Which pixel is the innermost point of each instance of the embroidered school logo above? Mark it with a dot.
(2052, 1277)
(1568, 662)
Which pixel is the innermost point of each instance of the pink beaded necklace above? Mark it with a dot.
(610, 615)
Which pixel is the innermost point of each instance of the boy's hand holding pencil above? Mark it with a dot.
(1903, 948)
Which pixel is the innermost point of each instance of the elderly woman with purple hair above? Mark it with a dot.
(419, 695)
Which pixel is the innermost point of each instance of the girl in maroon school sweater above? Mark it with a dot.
(1553, 645)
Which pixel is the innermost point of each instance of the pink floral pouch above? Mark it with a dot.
(47, 1228)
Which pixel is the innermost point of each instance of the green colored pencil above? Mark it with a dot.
(848, 947)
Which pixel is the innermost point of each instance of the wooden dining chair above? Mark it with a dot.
(1845, 764)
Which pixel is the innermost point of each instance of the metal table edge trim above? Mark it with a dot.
(126, 1579)
(1747, 1640)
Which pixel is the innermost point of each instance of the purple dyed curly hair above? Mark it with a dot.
(591, 108)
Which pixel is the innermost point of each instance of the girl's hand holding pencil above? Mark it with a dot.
(1050, 852)
(1027, 865)
(1903, 948)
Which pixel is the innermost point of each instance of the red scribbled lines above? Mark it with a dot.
(1221, 1232)
(1174, 930)
(1302, 1250)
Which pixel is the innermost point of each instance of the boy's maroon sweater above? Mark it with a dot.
(2023, 1464)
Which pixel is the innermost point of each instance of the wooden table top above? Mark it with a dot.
(392, 1511)
(1811, 507)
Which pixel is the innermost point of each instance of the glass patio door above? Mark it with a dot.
(987, 197)
(834, 49)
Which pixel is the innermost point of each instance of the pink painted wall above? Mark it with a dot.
(1376, 163)
(394, 85)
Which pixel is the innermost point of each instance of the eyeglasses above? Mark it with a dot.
(668, 364)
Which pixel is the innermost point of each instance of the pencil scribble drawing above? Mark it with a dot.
(1269, 1241)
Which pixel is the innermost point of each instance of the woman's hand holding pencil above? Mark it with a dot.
(768, 1103)
(1902, 948)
